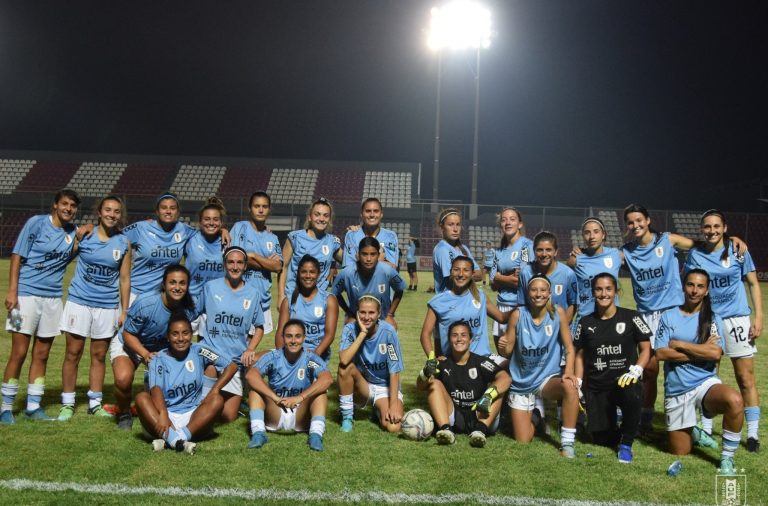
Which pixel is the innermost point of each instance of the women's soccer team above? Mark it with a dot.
(143, 292)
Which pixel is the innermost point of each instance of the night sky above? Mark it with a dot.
(583, 102)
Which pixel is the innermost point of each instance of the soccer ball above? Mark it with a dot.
(417, 425)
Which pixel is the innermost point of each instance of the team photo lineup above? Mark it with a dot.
(188, 307)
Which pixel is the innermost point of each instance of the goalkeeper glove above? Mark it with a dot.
(430, 368)
(631, 377)
(484, 404)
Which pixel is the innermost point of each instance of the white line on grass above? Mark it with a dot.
(300, 495)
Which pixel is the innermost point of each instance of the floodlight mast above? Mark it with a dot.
(458, 25)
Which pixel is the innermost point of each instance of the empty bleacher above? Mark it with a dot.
(11, 174)
(686, 224)
(341, 185)
(241, 182)
(292, 186)
(403, 231)
(478, 236)
(10, 226)
(96, 179)
(392, 188)
(145, 180)
(48, 176)
(197, 182)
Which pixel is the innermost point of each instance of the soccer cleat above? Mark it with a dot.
(625, 454)
(347, 423)
(158, 445)
(753, 445)
(258, 439)
(39, 414)
(445, 437)
(568, 451)
(125, 422)
(477, 439)
(99, 411)
(6, 417)
(727, 468)
(315, 442)
(702, 439)
(66, 412)
(188, 447)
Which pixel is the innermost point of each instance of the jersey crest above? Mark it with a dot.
(515, 255)
(472, 373)
(727, 262)
(177, 237)
(189, 366)
(608, 262)
(269, 245)
(318, 311)
(300, 373)
(558, 289)
(549, 330)
(621, 327)
(246, 304)
(116, 254)
(68, 239)
(659, 251)
(476, 303)
(382, 288)
(326, 250)
(383, 348)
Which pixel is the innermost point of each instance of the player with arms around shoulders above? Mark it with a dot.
(295, 395)
(465, 390)
(690, 342)
(371, 214)
(612, 348)
(202, 252)
(450, 247)
(174, 411)
(370, 363)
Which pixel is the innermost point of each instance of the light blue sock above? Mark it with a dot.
(172, 437)
(94, 398)
(187, 436)
(317, 425)
(35, 393)
(346, 406)
(257, 420)
(752, 414)
(730, 443)
(9, 390)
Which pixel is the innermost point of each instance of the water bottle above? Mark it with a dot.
(15, 318)
(675, 468)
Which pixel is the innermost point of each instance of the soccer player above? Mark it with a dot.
(488, 255)
(234, 325)
(314, 240)
(370, 363)
(369, 276)
(97, 303)
(463, 301)
(690, 341)
(371, 214)
(536, 338)
(727, 272)
(203, 250)
(608, 360)
(144, 334)
(318, 310)
(562, 277)
(449, 221)
(295, 396)
(410, 262)
(463, 390)
(264, 253)
(40, 256)
(174, 410)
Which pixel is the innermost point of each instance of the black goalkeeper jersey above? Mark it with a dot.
(466, 383)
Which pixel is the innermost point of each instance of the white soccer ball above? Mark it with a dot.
(417, 425)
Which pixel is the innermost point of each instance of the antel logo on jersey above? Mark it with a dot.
(608, 262)
(189, 366)
(325, 249)
(318, 311)
(548, 330)
(383, 348)
(659, 251)
(473, 373)
(558, 289)
(177, 237)
(476, 303)
(621, 327)
(608, 349)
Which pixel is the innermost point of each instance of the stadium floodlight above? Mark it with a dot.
(458, 25)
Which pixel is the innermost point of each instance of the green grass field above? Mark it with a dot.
(93, 452)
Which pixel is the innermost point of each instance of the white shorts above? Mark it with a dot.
(652, 319)
(197, 324)
(737, 341)
(235, 385)
(268, 326)
(132, 298)
(681, 409)
(117, 349)
(87, 321)
(286, 423)
(40, 316)
(500, 328)
(376, 392)
(526, 402)
(180, 420)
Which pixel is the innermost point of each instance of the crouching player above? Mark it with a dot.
(463, 390)
(370, 366)
(296, 395)
(174, 411)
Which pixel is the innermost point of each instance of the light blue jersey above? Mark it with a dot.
(681, 377)
(383, 278)
(45, 251)
(290, 379)
(488, 257)
(410, 253)
(726, 288)
(204, 261)
(386, 237)
(537, 352)
(442, 256)
(264, 244)
(449, 308)
(322, 249)
(96, 282)
(587, 267)
(505, 261)
(312, 313)
(147, 319)
(154, 249)
(378, 356)
(655, 274)
(231, 315)
(181, 380)
(564, 285)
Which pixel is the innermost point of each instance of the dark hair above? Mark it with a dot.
(68, 193)
(504, 241)
(294, 321)
(472, 286)
(230, 249)
(416, 242)
(545, 235)
(123, 210)
(165, 196)
(637, 208)
(177, 316)
(607, 275)
(258, 194)
(303, 260)
(459, 323)
(369, 241)
(704, 328)
(186, 302)
(726, 237)
(368, 201)
(212, 203)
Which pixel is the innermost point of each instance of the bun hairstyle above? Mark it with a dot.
(320, 201)
(213, 202)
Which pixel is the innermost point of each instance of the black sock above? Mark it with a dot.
(445, 427)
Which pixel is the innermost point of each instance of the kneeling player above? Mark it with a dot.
(174, 410)
(370, 366)
(296, 397)
(463, 390)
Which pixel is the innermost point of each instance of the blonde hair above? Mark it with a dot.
(123, 210)
(321, 201)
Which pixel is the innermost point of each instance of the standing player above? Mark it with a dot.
(295, 396)
(562, 277)
(410, 262)
(97, 303)
(727, 271)
(318, 310)
(449, 221)
(234, 325)
(488, 255)
(370, 363)
(372, 277)
(314, 240)
(371, 214)
(690, 342)
(40, 256)
(607, 343)
(463, 390)
(264, 253)
(174, 409)
(203, 250)
(537, 337)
